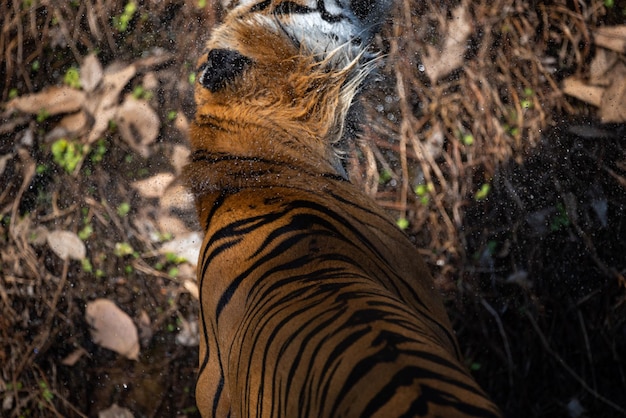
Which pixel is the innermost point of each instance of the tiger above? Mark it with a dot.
(313, 303)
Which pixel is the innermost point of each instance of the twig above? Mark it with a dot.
(580, 380)
(505, 340)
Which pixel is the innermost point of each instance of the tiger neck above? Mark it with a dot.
(228, 160)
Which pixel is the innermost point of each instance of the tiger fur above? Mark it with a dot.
(313, 303)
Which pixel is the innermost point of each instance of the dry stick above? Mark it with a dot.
(49, 405)
(505, 340)
(546, 346)
(405, 129)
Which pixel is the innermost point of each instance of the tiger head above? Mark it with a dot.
(283, 74)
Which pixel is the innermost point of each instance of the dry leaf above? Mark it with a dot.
(171, 225)
(115, 411)
(90, 73)
(74, 356)
(112, 328)
(153, 186)
(188, 335)
(600, 66)
(181, 123)
(54, 100)
(186, 246)
(179, 157)
(577, 88)
(613, 105)
(103, 106)
(611, 37)
(192, 288)
(438, 64)
(138, 124)
(75, 122)
(177, 197)
(145, 328)
(66, 245)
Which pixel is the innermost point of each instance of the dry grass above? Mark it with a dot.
(534, 270)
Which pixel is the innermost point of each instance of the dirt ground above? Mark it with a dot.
(494, 132)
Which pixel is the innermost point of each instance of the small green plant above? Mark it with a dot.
(467, 139)
(527, 102)
(384, 176)
(46, 393)
(402, 223)
(201, 4)
(141, 93)
(123, 209)
(561, 220)
(97, 154)
(192, 78)
(174, 258)
(67, 154)
(172, 115)
(86, 265)
(13, 93)
(609, 3)
(123, 249)
(42, 116)
(121, 22)
(423, 191)
(41, 168)
(86, 232)
(35, 66)
(483, 192)
(72, 78)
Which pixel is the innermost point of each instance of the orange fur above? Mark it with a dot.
(296, 260)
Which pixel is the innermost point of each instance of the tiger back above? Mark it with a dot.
(312, 302)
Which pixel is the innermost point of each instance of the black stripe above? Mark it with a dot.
(202, 155)
(260, 6)
(327, 16)
(290, 7)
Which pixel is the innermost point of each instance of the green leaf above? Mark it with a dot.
(402, 223)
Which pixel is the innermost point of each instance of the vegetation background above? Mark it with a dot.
(494, 133)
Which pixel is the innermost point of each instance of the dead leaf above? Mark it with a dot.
(74, 356)
(192, 287)
(145, 328)
(579, 89)
(75, 122)
(177, 196)
(112, 328)
(103, 106)
(439, 63)
(90, 73)
(188, 335)
(171, 225)
(153, 186)
(600, 66)
(179, 157)
(186, 246)
(66, 244)
(181, 123)
(138, 124)
(611, 37)
(54, 100)
(115, 411)
(613, 105)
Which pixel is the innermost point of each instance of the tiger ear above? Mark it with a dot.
(222, 67)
